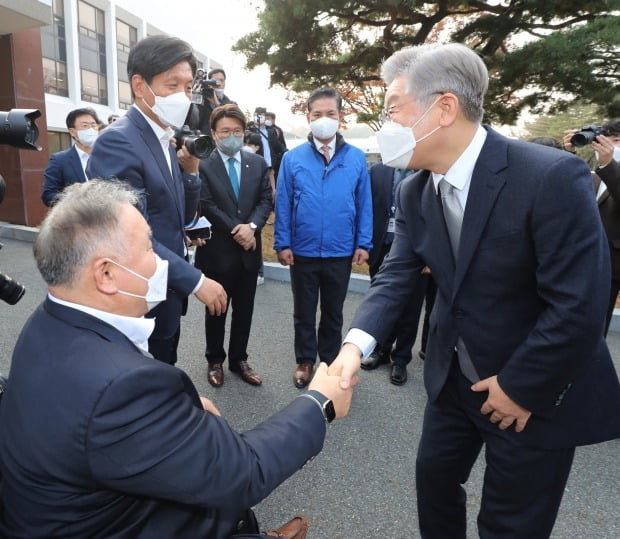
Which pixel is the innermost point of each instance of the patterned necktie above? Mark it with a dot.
(453, 215)
(234, 178)
(325, 152)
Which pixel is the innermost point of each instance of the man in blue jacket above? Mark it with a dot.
(323, 223)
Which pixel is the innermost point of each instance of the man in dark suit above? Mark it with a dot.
(606, 181)
(100, 440)
(137, 149)
(69, 166)
(516, 358)
(236, 199)
(384, 183)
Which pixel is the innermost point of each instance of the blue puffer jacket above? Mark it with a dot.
(323, 210)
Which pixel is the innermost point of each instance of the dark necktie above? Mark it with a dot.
(234, 178)
(453, 215)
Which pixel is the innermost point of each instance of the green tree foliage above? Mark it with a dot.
(542, 54)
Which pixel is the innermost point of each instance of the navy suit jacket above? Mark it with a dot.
(99, 440)
(609, 209)
(528, 295)
(64, 168)
(129, 150)
(220, 206)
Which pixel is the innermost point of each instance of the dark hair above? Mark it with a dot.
(230, 110)
(272, 114)
(612, 127)
(214, 71)
(155, 54)
(322, 93)
(251, 137)
(87, 111)
(546, 141)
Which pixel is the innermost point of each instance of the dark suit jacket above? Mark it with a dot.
(219, 205)
(99, 440)
(528, 295)
(64, 168)
(609, 209)
(129, 150)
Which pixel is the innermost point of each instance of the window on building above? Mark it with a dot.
(91, 27)
(54, 52)
(126, 37)
(57, 141)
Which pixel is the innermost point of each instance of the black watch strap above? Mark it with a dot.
(326, 405)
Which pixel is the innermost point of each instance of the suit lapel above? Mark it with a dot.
(76, 165)
(486, 184)
(221, 172)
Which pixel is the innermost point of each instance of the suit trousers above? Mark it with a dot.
(329, 278)
(523, 485)
(240, 286)
(613, 296)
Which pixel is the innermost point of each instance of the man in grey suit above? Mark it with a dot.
(236, 199)
(516, 358)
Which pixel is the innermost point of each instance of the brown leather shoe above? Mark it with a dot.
(296, 528)
(246, 372)
(215, 376)
(302, 374)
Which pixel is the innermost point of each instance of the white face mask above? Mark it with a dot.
(249, 149)
(268, 123)
(397, 142)
(617, 154)
(87, 137)
(157, 283)
(219, 92)
(172, 109)
(324, 128)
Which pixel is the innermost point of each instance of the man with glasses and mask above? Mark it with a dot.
(323, 223)
(137, 149)
(236, 199)
(69, 166)
(516, 359)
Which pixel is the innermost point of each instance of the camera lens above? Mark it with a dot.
(199, 146)
(10, 291)
(582, 138)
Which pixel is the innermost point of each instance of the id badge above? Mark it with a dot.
(391, 224)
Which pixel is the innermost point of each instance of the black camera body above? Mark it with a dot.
(203, 87)
(18, 129)
(10, 290)
(197, 144)
(586, 135)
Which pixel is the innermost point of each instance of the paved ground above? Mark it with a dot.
(361, 486)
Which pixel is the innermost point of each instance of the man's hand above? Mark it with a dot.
(188, 162)
(244, 236)
(331, 388)
(213, 295)
(605, 149)
(286, 258)
(566, 140)
(360, 256)
(346, 365)
(208, 406)
(502, 408)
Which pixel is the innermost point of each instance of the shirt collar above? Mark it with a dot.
(136, 329)
(226, 157)
(163, 135)
(461, 171)
(81, 153)
(331, 145)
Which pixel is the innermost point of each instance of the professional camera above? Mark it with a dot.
(17, 128)
(202, 88)
(586, 135)
(10, 290)
(197, 144)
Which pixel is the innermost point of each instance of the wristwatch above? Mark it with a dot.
(252, 225)
(326, 405)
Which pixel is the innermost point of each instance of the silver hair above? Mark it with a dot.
(435, 69)
(84, 222)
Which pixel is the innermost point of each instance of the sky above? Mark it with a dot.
(212, 27)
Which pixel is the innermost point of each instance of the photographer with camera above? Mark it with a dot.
(138, 149)
(69, 166)
(210, 89)
(605, 141)
(271, 148)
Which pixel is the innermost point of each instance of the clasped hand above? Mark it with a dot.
(500, 408)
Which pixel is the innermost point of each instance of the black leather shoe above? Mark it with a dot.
(398, 375)
(378, 357)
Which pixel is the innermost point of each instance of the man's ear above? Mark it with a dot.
(104, 275)
(450, 107)
(139, 87)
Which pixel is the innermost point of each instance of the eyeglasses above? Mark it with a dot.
(386, 114)
(226, 132)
